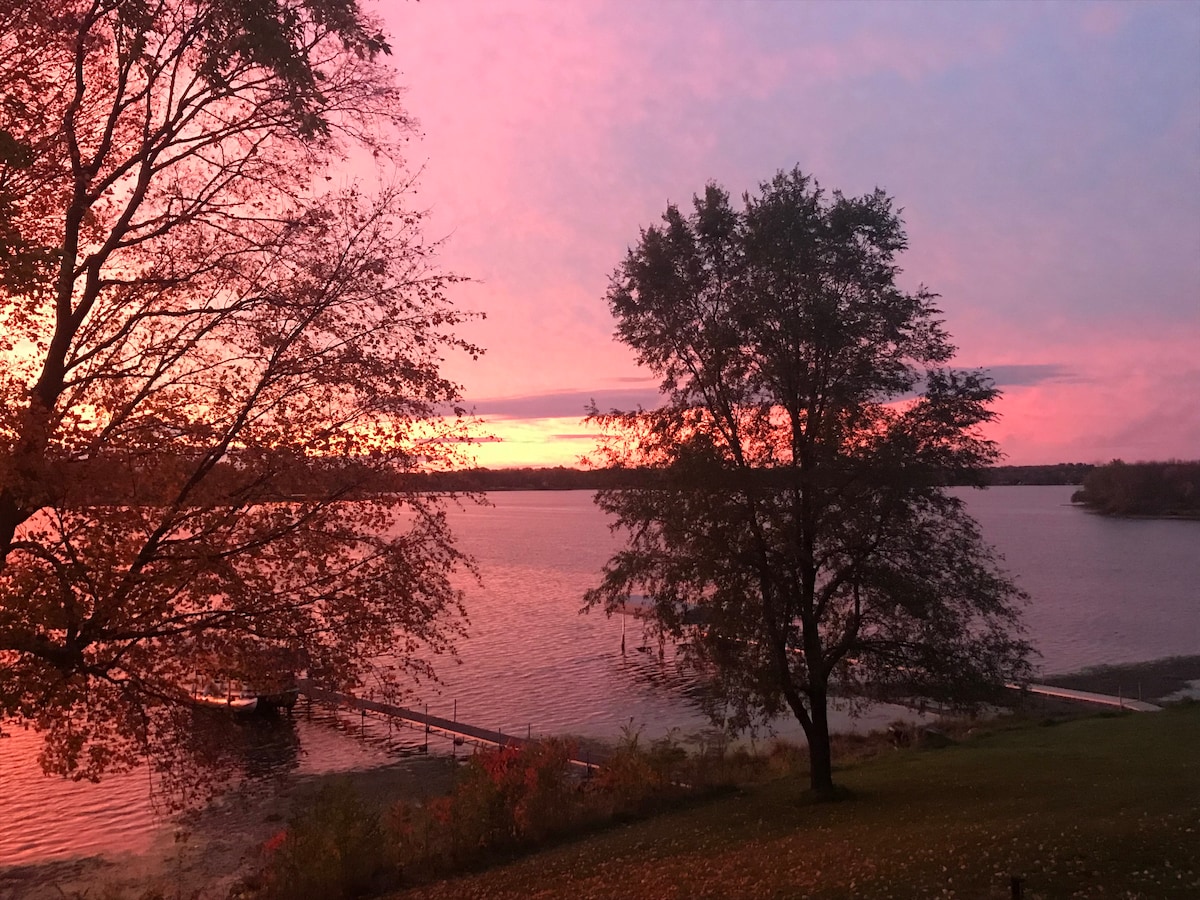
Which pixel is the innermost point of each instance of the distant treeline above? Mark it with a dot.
(119, 481)
(557, 478)
(561, 478)
(1058, 473)
(1143, 489)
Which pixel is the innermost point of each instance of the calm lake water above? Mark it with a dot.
(1103, 591)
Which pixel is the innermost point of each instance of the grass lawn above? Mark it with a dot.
(1107, 806)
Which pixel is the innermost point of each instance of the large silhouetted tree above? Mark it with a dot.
(809, 424)
(195, 302)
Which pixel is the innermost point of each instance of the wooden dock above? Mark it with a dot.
(1046, 690)
(461, 732)
(457, 732)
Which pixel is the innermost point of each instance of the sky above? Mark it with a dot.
(1046, 157)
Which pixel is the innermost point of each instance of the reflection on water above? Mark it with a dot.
(243, 746)
(1102, 591)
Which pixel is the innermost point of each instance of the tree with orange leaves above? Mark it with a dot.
(194, 305)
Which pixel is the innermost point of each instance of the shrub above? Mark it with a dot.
(336, 847)
(508, 795)
(503, 797)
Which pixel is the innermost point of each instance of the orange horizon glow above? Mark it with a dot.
(533, 443)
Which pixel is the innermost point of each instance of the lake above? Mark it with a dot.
(1102, 591)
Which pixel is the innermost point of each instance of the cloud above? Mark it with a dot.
(1025, 375)
(563, 404)
(569, 403)
(1125, 396)
(1038, 150)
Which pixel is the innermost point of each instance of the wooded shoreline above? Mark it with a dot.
(300, 477)
(1159, 490)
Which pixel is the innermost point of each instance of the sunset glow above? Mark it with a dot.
(534, 442)
(1044, 155)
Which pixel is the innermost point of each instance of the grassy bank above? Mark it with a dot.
(1107, 806)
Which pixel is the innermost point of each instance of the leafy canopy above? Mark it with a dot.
(809, 424)
(197, 306)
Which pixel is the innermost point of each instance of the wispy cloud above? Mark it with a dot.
(563, 404)
(1025, 375)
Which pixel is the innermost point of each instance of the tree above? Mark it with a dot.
(193, 305)
(808, 427)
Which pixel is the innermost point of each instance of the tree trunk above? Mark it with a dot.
(820, 754)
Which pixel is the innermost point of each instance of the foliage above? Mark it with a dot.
(1143, 489)
(336, 847)
(191, 306)
(510, 794)
(633, 777)
(809, 425)
(503, 799)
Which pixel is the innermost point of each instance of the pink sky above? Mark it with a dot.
(1047, 158)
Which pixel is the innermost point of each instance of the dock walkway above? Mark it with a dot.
(458, 732)
(461, 732)
(1046, 690)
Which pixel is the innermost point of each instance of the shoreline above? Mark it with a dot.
(205, 853)
(1152, 680)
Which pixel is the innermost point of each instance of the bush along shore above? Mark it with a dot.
(1105, 806)
(504, 801)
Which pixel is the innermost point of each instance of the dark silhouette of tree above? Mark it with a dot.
(1161, 489)
(809, 427)
(192, 303)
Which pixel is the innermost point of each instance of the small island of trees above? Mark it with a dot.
(1167, 489)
